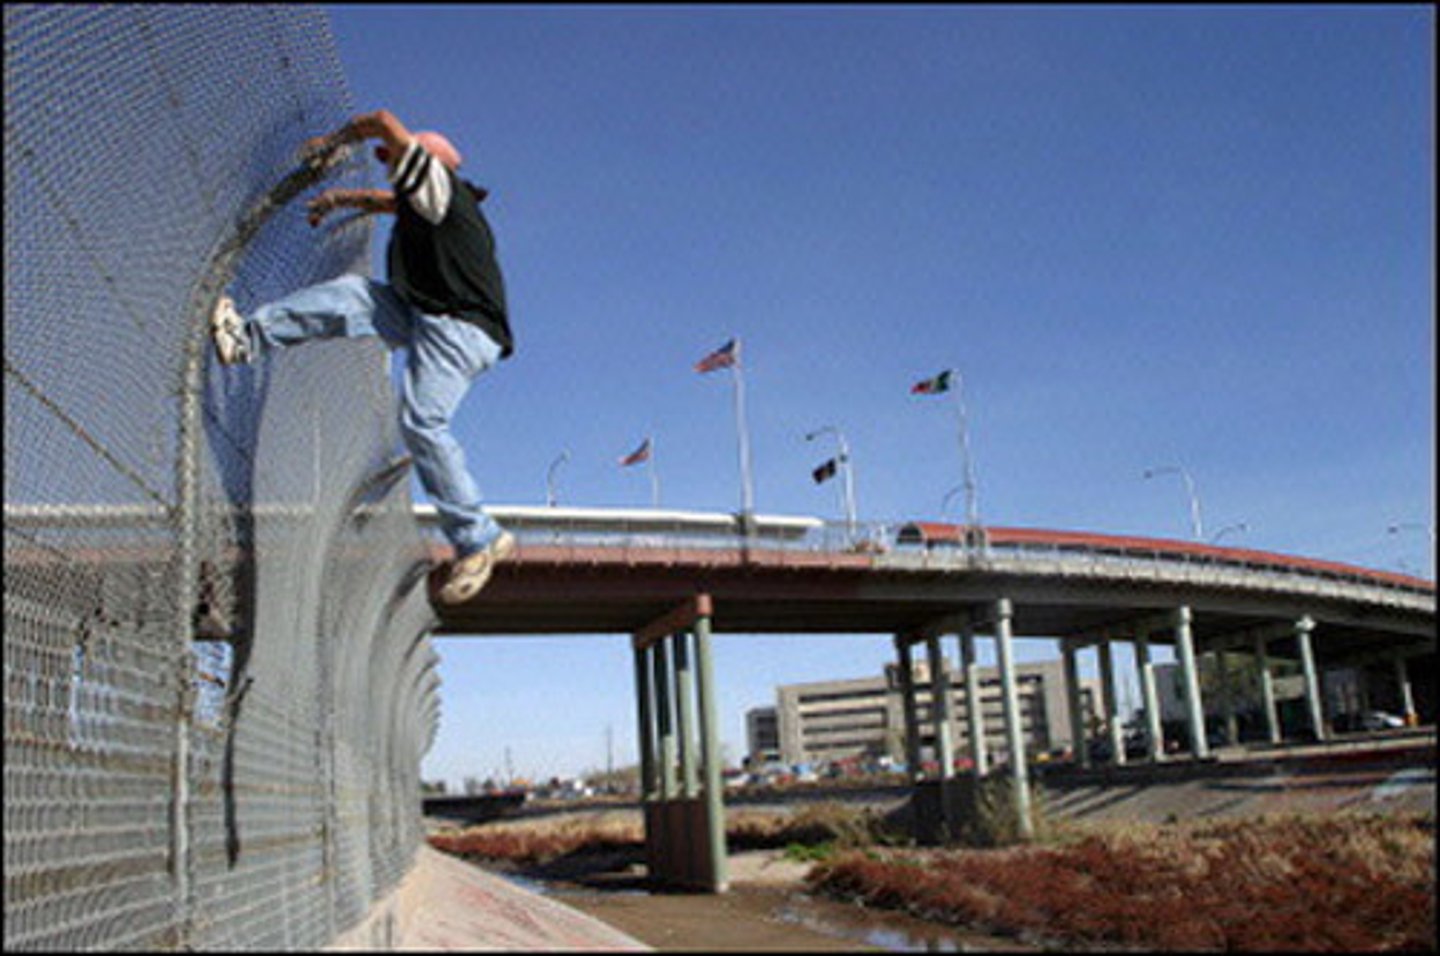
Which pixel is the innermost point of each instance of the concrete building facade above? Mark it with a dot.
(864, 718)
(762, 736)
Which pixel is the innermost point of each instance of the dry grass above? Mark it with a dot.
(528, 842)
(1295, 883)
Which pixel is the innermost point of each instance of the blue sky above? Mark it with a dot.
(1144, 235)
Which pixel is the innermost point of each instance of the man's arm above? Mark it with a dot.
(380, 124)
(367, 200)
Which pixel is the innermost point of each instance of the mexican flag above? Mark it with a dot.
(932, 386)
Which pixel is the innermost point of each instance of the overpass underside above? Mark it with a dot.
(671, 601)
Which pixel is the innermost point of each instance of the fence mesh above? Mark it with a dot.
(218, 680)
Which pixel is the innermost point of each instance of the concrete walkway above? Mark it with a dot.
(446, 904)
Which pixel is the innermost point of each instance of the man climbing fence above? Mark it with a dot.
(444, 302)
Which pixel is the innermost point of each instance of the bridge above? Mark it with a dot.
(671, 579)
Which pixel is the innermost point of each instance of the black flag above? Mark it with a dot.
(824, 472)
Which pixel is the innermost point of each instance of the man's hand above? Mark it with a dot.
(366, 200)
(381, 125)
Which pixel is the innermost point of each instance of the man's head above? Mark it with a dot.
(434, 143)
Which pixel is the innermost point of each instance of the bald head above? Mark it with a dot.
(441, 148)
(433, 143)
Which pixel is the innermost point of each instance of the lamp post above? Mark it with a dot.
(1241, 527)
(1198, 528)
(945, 501)
(550, 498)
(1415, 525)
(849, 486)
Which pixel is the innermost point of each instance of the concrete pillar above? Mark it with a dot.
(907, 700)
(645, 731)
(664, 722)
(710, 757)
(685, 690)
(940, 709)
(1154, 731)
(1267, 692)
(1014, 733)
(1227, 700)
(1194, 711)
(1113, 722)
(975, 712)
(1313, 700)
(1407, 696)
(1079, 738)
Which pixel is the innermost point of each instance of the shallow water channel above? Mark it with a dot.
(790, 911)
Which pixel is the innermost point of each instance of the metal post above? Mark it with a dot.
(940, 709)
(907, 700)
(1315, 705)
(710, 756)
(1154, 731)
(747, 491)
(974, 707)
(1407, 696)
(1113, 727)
(1267, 691)
(685, 690)
(972, 507)
(1014, 733)
(1194, 712)
(1079, 742)
(644, 696)
(664, 722)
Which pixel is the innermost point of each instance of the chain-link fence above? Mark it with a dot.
(218, 680)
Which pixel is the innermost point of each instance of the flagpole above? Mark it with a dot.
(972, 513)
(747, 496)
(654, 477)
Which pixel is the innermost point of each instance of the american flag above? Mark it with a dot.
(723, 357)
(638, 455)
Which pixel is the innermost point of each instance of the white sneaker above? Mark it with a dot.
(471, 573)
(227, 330)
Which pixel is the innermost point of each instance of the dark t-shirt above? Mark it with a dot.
(441, 257)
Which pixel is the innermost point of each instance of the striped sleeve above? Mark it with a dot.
(422, 181)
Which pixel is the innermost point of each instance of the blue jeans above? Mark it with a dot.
(445, 356)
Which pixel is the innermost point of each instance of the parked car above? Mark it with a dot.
(1380, 720)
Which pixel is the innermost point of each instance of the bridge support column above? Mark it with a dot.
(664, 719)
(645, 731)
(1267, 691)
(907, 700)
(1227, 699)
(1014, 733)
(1114, 725)
(1154, 731)
(1314, 704)
(685, 688)
(684, 821)
(1079, 736)
(718, 877)
(1407, 696)
(940, 708)
(974, 710)
(1195, 713)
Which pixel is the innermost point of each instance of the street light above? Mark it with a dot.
(945, 501)
(1241, 527)
(1408, 525)
(563, 457)
(849, 473)
(1397, 528)
(1198, 528)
